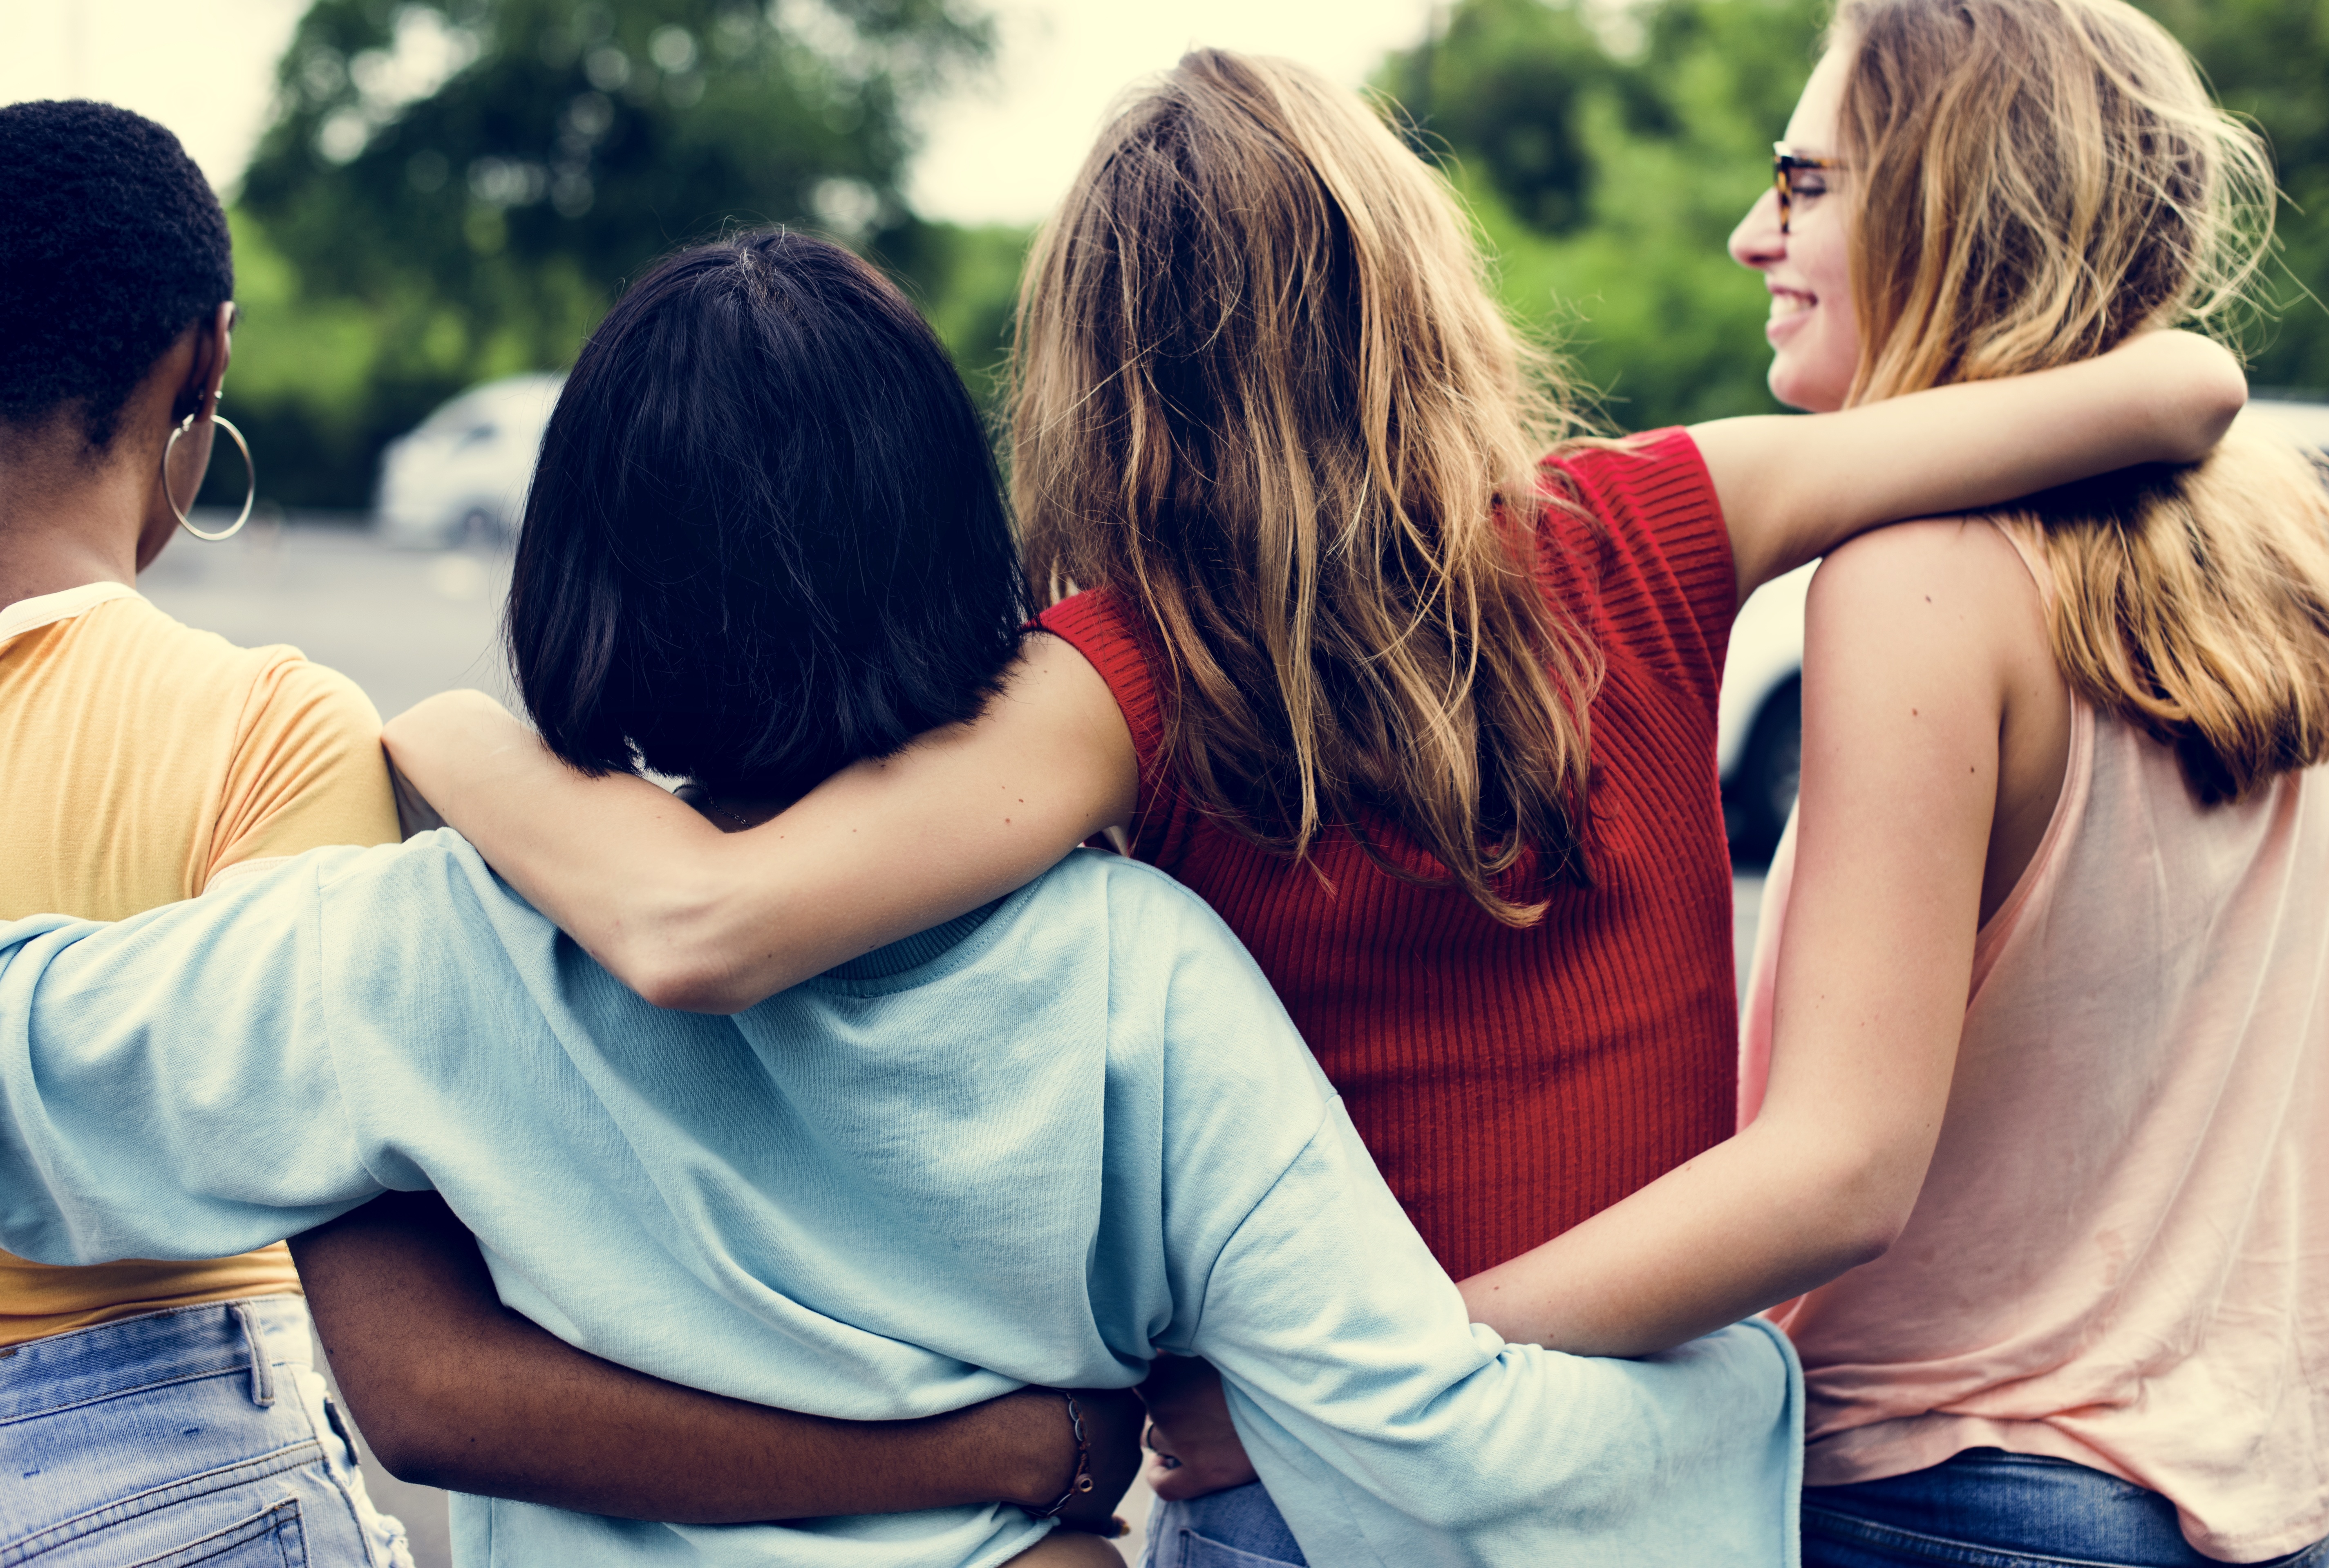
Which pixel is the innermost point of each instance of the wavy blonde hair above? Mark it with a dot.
(2029, 182)
(1260, 388)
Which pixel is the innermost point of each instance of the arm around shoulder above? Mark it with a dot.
(453, 1389)
(1903, 696)
(694, 918)
(1793, 487)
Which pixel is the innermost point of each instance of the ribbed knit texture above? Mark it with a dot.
(1512, 1083)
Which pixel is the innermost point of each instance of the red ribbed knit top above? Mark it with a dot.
(1512, 1083)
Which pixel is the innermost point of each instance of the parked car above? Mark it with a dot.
(1760, 734)
(461, 473)
(2302, 422)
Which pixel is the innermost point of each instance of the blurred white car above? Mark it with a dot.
(2306, 423)
(461, 473)
(1758, 744)
(1760, 734)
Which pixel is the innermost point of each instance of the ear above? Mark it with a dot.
(206, 376)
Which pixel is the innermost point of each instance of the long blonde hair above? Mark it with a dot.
(2029, 182)
(1262, 389)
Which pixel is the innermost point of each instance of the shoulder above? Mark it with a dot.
(1933, 605)
(1107, 629)
(1118, 641)
(1140, 903)
(192, 664)
(182, 663)
(1157, 927)
(294, 692)
(1657, 481)
(1969, 557)
(1639, 546)
(431, 905)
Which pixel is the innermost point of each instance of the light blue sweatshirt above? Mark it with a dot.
(1036, 1148)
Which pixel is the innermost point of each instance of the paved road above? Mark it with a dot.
(403, 625)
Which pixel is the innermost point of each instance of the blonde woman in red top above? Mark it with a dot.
(1429, 718)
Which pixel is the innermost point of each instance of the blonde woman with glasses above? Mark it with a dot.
(1348, 648)
(2038, 1032)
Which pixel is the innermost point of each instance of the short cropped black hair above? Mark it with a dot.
(111, 244)
(766, 538)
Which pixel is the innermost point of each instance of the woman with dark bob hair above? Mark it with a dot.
(765, 539)
(141, 761)
(1033, 1146)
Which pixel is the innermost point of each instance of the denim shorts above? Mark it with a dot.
(1987, 1508)
(1238, 1528)
(195, 1435)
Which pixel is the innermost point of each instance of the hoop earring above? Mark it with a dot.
(248, 495)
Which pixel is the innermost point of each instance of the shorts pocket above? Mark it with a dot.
(272, 1538)
(1195, 1551)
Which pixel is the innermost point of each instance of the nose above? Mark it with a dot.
(1756, 242)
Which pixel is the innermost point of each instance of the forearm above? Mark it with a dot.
(1795, 488)
(619, 862)
(1751, 1223)
(690, 918)
(454, 1390)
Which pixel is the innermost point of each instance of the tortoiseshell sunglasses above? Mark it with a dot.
(1785, 162)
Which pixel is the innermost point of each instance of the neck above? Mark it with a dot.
(64, 523)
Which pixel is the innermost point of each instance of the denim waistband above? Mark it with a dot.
(179, 1345)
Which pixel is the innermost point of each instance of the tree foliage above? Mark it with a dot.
(455, 189)
(2269, 60)
(1609, 151)
(1608, 155)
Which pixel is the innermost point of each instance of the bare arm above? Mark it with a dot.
(1903, 708)
(1793, 488)
(453, 1389)
(690, 918)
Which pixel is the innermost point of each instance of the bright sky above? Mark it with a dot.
(998, 152)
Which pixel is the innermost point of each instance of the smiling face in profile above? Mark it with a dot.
(1813, 331)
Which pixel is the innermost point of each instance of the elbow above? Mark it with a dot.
(679, 977)
(681, 985)
(2216, 392)
(1870, 1210)
(1867, 1239)
(676, 953)
(411, 1444)
(434, 1438)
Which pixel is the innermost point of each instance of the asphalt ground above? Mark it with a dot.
(404, 624)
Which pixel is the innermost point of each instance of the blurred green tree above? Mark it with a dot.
(452, 190)
(2269, 60)
(1608, 150)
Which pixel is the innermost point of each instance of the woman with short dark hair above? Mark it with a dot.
(141, 761)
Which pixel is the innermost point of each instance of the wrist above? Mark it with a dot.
(1034, 1447)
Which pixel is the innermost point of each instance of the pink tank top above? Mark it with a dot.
(2121, 1255)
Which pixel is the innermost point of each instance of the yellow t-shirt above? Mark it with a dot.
(138, 759)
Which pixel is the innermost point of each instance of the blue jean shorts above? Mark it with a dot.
(199, 1435)
(1987, 1508)
(1238, 1528)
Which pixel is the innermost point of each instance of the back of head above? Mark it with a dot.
(2029, 181)
(112, 244)
(765, 539)
(1262, 389)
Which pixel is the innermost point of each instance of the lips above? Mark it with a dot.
(1790, 308)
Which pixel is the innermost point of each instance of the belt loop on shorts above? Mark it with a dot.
(262, 1369)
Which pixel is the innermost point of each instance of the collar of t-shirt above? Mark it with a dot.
(48, 609)
(913, 952)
